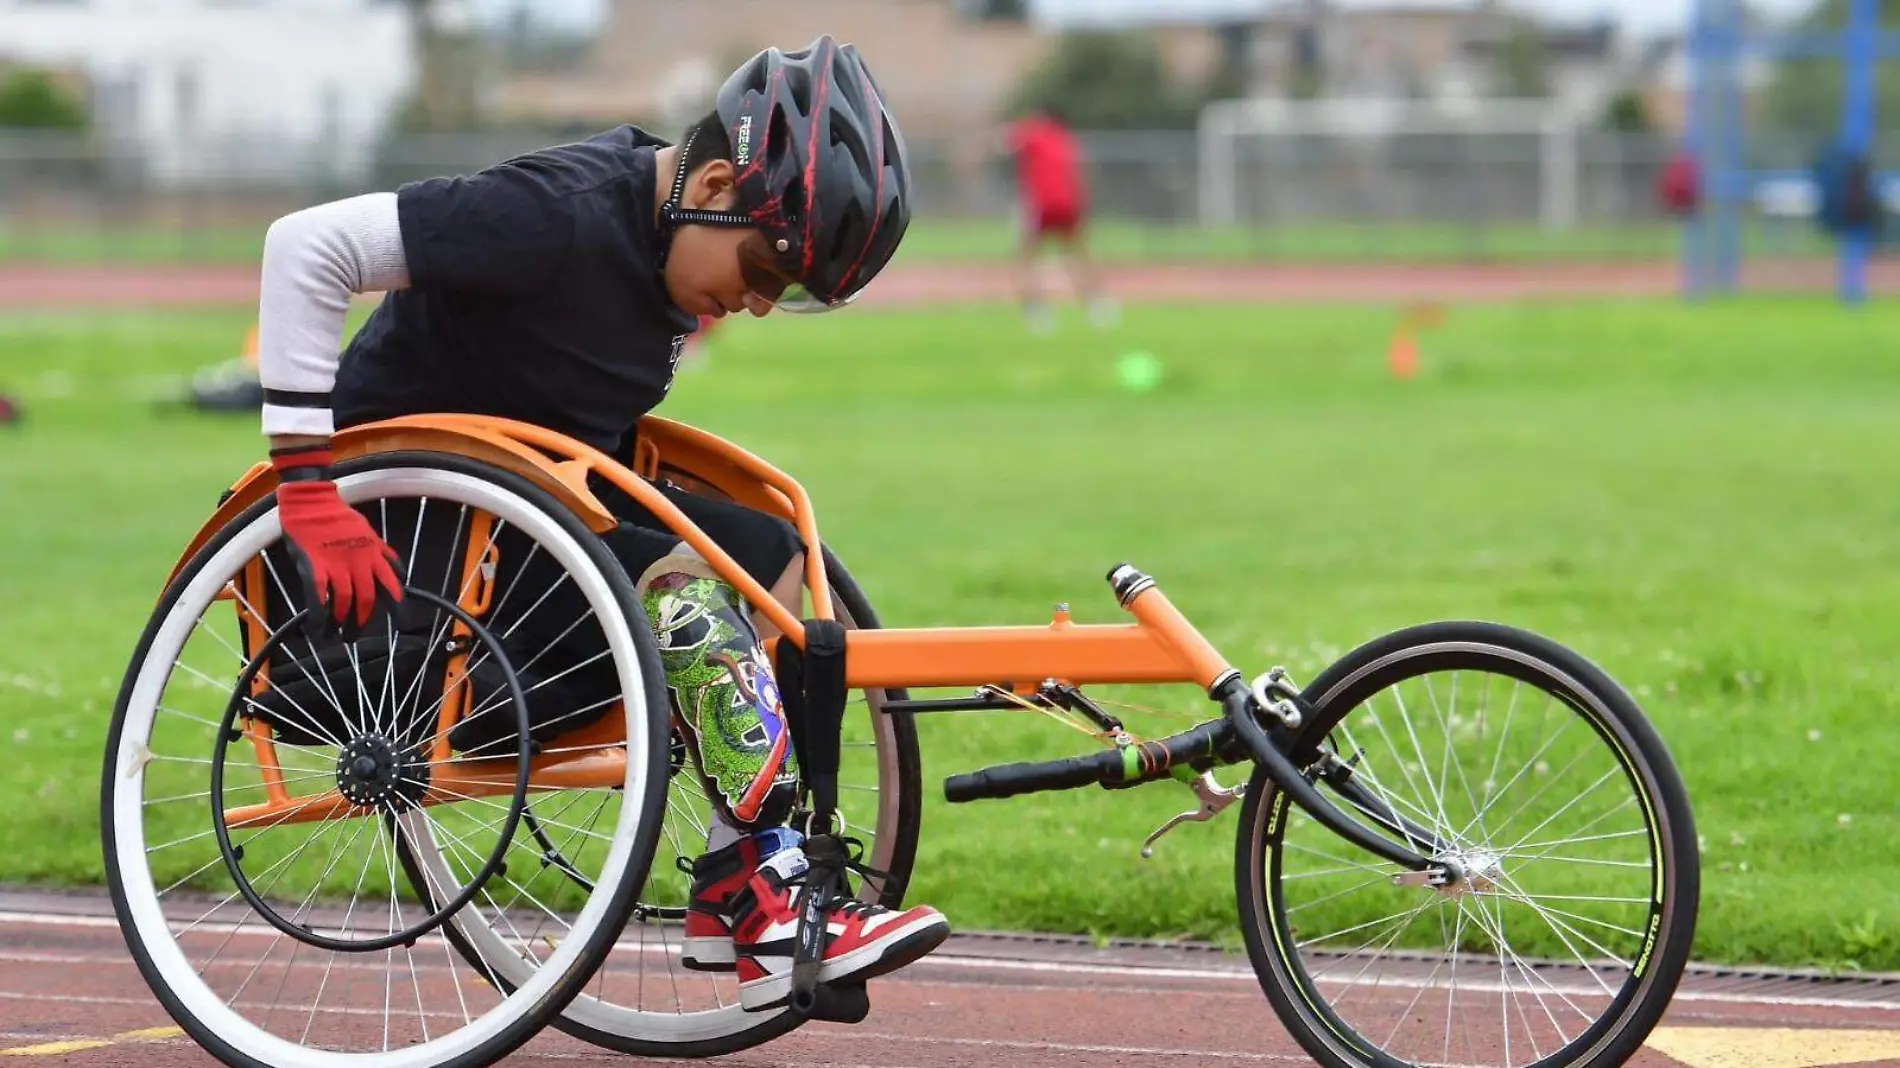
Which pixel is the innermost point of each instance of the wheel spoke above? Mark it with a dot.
(1515, 851)
(1436, 792)
(320, 682)
(1445, 723)
(1530, 764)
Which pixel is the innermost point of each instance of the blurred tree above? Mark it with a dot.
(525, 42)
(453, 59)
(1117, 81)
(1519, 64)
(1230, 79)
(1307, 75)
(1627, 112)
(30, 98)
(1000, 10)
(1805, 94)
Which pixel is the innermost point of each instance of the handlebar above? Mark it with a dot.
(1124, 765)
(1236, 736)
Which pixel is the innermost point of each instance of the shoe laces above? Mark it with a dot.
(854, 860)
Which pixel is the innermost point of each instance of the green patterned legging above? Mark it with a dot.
(721, 687)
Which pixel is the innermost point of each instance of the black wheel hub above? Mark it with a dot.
(372, 772)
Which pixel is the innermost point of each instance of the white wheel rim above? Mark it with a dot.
(145, 915)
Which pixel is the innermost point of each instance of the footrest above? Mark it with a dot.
(833, 1003)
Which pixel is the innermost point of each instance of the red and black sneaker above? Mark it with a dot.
(866, 940)
(717, 876)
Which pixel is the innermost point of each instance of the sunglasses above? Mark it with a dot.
(765, 279)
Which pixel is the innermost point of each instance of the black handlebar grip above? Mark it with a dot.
(1009, 780)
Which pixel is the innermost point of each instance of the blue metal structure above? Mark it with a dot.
(1719, 43)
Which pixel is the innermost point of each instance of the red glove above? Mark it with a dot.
(345, 565)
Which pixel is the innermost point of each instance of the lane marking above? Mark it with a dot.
(1401, 983)
(1698, 1047)
(52, 1049)
(96, 999)
(1075, 1047)
(921, 976)
(980, 963)
(1773, 1047)
(76, 1045)
(151, 1034)
(54, 919)
(75, 999)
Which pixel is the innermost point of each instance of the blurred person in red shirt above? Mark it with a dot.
(1054, 197)
(1679, 187)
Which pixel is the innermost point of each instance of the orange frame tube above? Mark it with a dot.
(1155, 650)
(1160, 646)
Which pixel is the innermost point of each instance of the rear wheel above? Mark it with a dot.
(1537, 775)
(278, 929)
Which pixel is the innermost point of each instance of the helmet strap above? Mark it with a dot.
(672, 216)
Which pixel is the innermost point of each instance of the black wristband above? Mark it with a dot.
(290, 398)
(310, 473)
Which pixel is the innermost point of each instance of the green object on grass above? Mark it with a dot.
(1138, 372)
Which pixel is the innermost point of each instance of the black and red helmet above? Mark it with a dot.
(821, 169)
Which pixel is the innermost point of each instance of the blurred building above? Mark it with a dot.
(946, 69)
(298, 84)
(1448, 51)
(215, 116)
(1666, 92)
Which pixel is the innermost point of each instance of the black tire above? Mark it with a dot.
(909, 765)
(1587, 693)
(594, 946)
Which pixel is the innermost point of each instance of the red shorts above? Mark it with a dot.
(1055, 220)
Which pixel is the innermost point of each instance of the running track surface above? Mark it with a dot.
(70, 994)
(32, 287)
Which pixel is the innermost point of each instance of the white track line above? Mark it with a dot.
(1001, 964)
(1235, 975)
(1076, 1047)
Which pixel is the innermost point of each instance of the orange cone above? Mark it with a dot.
(1403, 355)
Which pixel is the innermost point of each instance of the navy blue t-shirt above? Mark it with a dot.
(533, 295)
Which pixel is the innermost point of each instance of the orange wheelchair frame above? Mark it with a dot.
(1286, 732)
(1160, 646)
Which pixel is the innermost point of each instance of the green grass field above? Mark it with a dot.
(1699, 499)
(1113, 240)
(988, 240)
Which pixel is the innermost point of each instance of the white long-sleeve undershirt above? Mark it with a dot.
(315, 260)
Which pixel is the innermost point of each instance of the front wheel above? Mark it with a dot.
(1540, 779)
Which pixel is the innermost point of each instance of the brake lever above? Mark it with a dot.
(1213, 796)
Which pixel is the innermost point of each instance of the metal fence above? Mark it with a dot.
(1307, 197)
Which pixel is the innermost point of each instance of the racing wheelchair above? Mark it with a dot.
(1459, 843)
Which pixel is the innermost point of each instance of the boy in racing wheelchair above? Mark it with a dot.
(558, 288)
